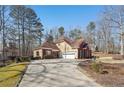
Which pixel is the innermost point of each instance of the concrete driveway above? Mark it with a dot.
(55, 73)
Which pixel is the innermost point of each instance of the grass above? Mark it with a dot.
(10, 75)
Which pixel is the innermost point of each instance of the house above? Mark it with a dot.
(9, 51)
(46, 49)
(69, 49)
(64, 48)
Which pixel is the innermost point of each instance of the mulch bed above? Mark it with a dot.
(114, 77)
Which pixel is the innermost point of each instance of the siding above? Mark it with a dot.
(40, 53)
(65, 46)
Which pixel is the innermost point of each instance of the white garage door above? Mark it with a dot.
(69, 55)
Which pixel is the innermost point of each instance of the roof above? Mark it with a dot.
(48, 45)
(52, 45)
(77, 43)
(62, 38)
(73, 44)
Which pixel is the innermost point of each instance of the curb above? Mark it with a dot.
(22, 75)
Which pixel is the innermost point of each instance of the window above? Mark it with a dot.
(37, 53)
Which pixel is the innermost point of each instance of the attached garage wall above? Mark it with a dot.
(69, 55)
(64, 47)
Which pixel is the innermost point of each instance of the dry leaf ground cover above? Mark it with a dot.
(112, 74)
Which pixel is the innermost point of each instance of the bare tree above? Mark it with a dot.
(3, 22)
(115, 15)
(104, 33)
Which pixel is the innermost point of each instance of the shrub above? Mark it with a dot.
(23, 59)
(1, 64)
(93, 58)
(18, 59)
(97, 67)
(96, 49)
(26, 59)
(118, 57)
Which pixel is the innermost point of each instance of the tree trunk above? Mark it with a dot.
(121, 43)
(23, 38)
(3, 28)
(19, 39)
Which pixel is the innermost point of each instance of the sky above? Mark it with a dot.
(67, 16)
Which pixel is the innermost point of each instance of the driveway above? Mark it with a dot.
(55, 73)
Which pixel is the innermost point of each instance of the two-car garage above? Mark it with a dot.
(69, 55)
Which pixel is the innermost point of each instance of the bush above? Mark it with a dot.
(26, 59)
(18, 59)
(1, 64)
(118, 57)
(48, 57)
(23, 59)
(97, 67)
(8, 62)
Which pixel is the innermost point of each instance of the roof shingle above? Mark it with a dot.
(48, 45)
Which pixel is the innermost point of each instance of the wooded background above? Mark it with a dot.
(21, 27)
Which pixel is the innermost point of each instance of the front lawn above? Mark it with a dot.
(11, 74)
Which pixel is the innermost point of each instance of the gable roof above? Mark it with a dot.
(48, 45)
(62, 39)
(73, 44)
(77, 43)
(53, 46)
